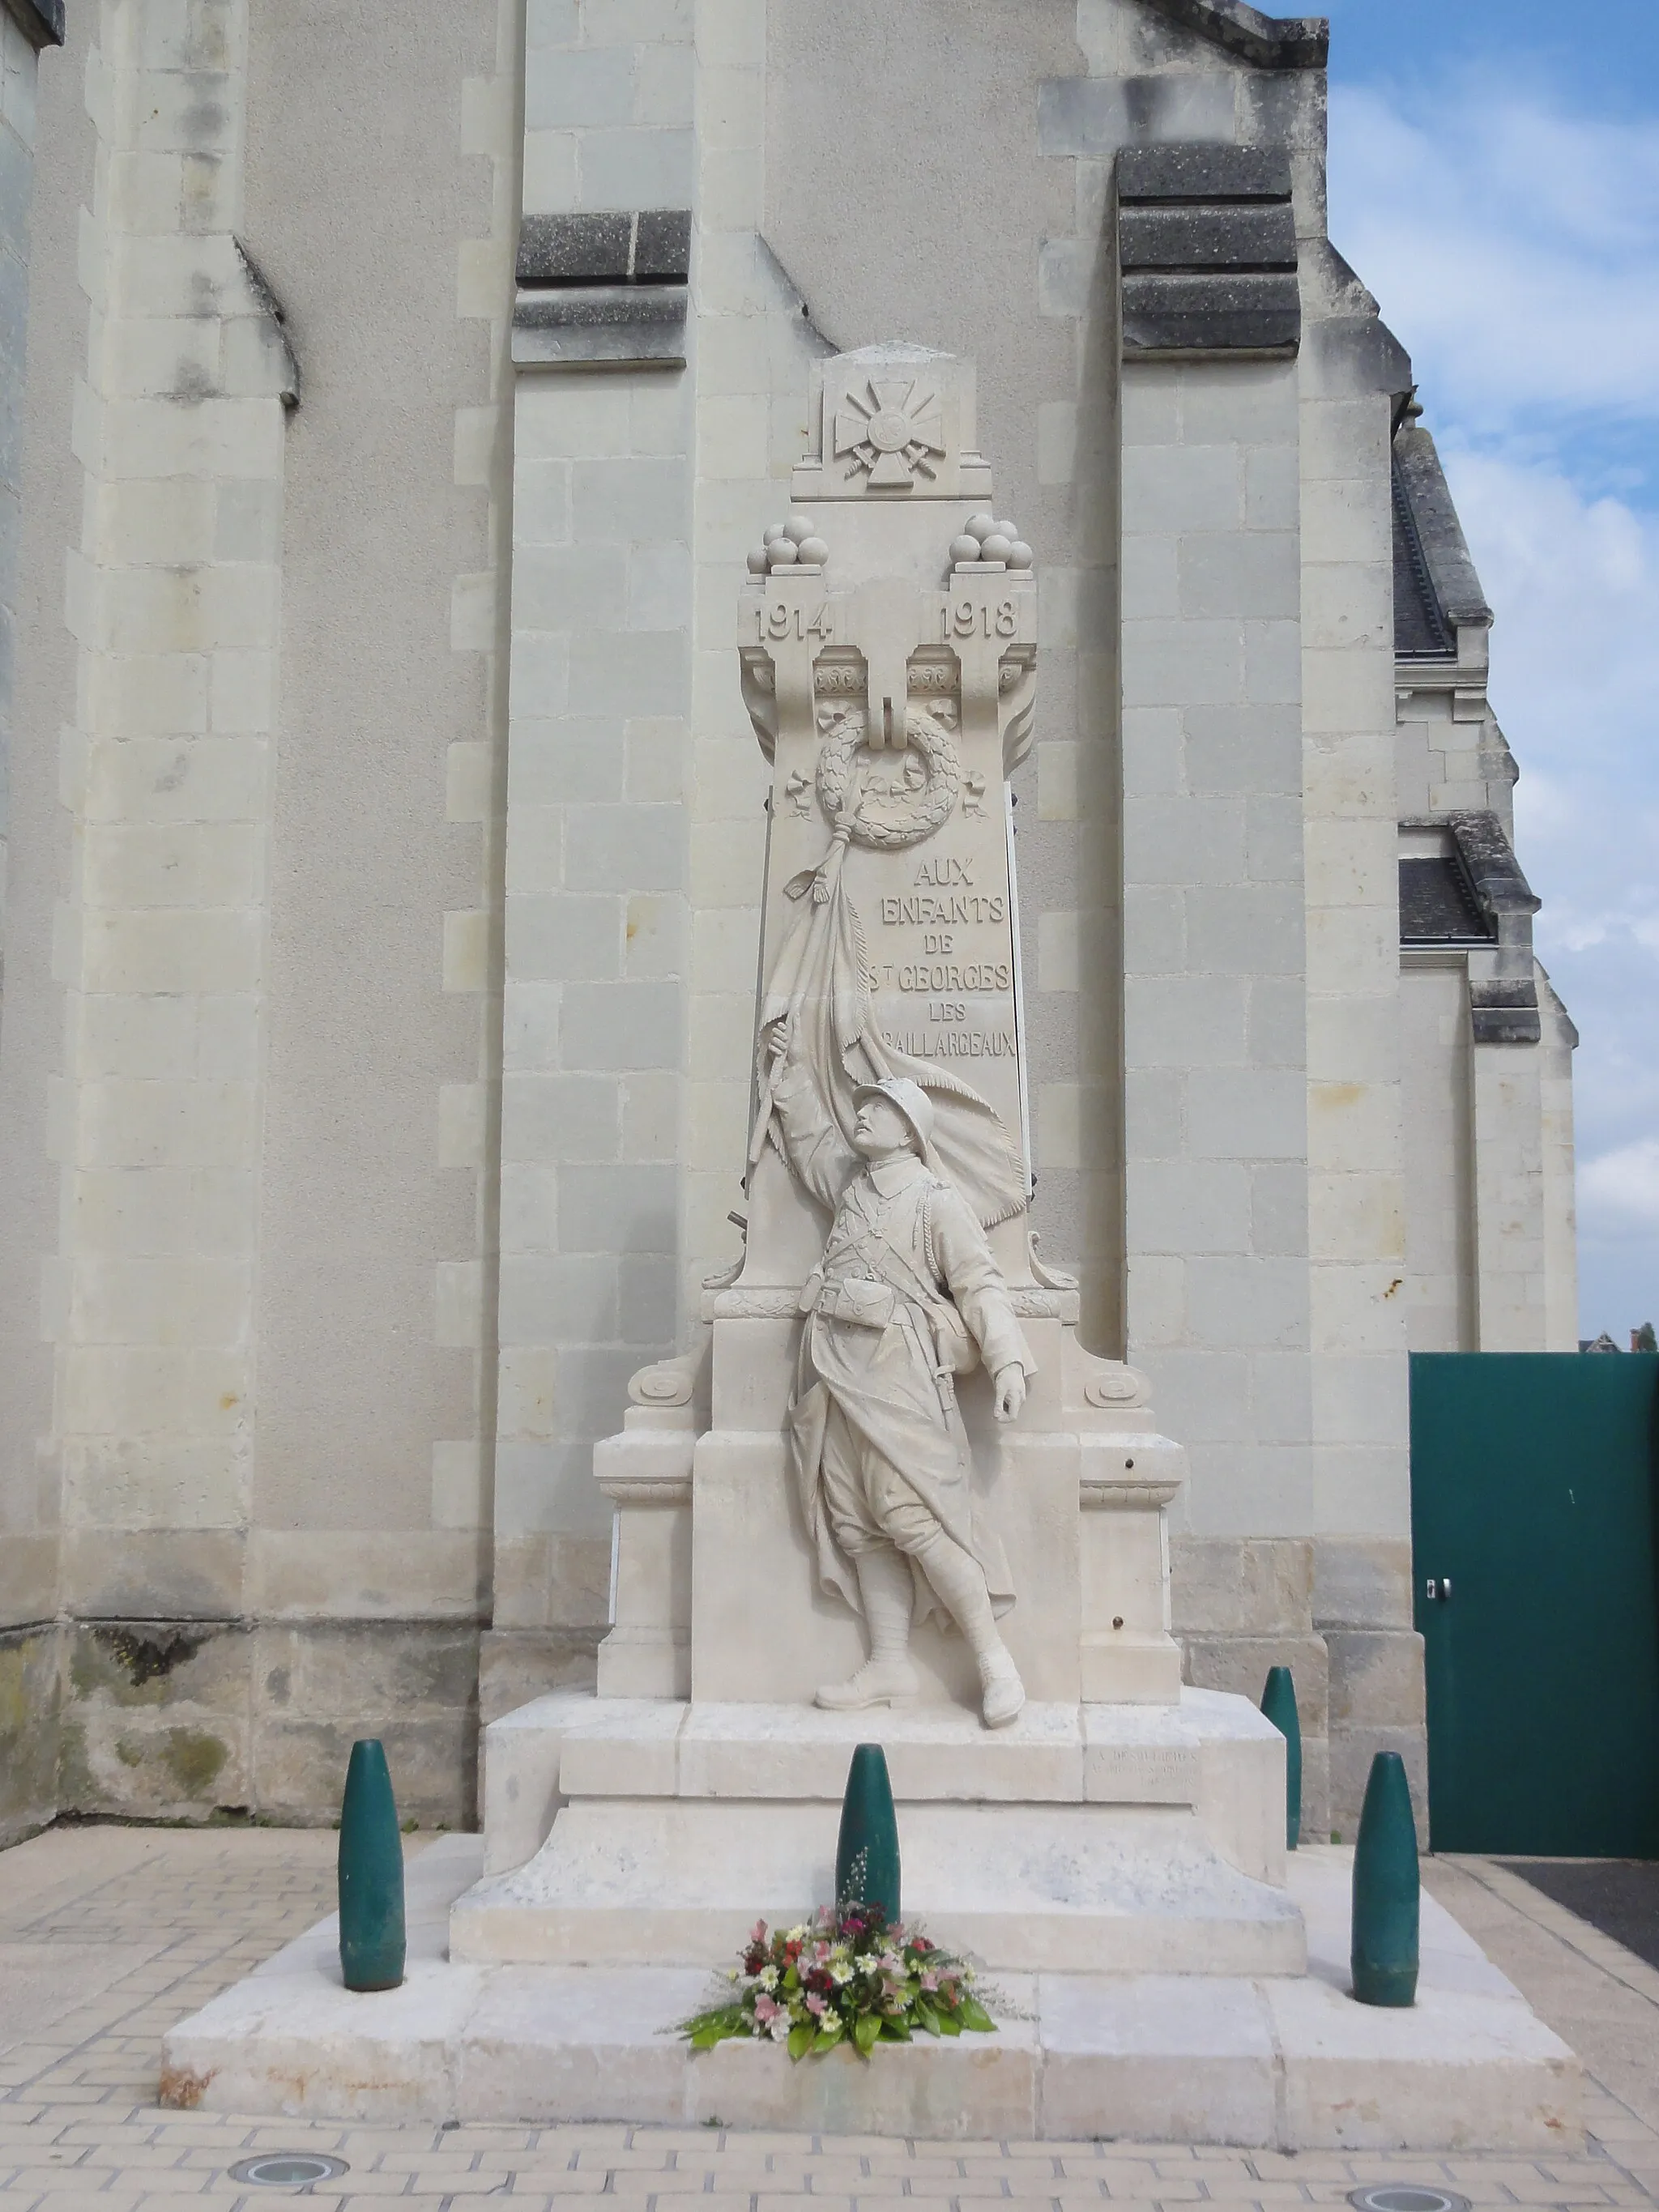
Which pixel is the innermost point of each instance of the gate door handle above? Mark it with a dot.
(1437, 1590)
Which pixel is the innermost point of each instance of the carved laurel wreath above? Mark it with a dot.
(889, 820)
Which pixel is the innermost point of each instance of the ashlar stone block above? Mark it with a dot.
(622, 1025)
(648, 166)
(1182, 488)
(1248, 1301)
(1181, 663)
(584, 89)
(1254, 574)
(1184, 1022)
(1188, 1206)
(1247, 1113)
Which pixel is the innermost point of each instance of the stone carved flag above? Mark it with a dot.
(821, 988)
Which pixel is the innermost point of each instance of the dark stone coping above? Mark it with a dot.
(649, 245)
(1503, 1007)
(1439, 533)
(1493, 869)
(1271, 41)
(595, 307)
(1503, 1024)
(1230, 312)
(1201, 172)
(617, 326)
(41, 22)
(1194, 237)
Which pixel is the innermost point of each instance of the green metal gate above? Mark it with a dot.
(1534, 1539)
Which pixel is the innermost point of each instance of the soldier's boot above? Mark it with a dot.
(960, 1580)
(887, 1677)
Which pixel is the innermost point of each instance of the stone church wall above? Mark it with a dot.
(245, 1303)
(405, 832)
(40, 240)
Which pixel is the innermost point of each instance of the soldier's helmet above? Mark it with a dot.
(911, 1100)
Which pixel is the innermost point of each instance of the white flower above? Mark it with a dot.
(767, 1978)
(841, 1973)
(779, 2025)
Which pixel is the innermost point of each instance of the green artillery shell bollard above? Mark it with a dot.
(1279, 1706)
(372, 1940)
(868, 1853)
(1385, 1889)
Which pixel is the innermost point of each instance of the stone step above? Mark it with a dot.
(1091, 1888)
(1211, 1750)
(1293, 2062)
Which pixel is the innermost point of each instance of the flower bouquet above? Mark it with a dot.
(843, 1976)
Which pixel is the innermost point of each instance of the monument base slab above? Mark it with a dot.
(1290, 2062)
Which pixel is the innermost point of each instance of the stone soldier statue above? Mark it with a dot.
(907, 1296)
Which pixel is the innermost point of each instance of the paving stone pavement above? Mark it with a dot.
(109, 1934)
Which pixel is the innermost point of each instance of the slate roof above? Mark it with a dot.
(1420, 630)
(41, 22)
(1438, 907)
(1435, 585)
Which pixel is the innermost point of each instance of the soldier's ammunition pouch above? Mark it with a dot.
(859, 1299)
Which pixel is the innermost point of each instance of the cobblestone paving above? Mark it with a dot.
(108, 1935)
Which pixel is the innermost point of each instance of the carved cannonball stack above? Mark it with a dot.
(987, 544)
(791, 544)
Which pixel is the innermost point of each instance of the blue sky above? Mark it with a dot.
(1495, 181)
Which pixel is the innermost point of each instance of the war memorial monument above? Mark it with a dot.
(890, 1495)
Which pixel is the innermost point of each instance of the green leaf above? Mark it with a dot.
(801, 2037)
(894, 2031)
(948, 2022)
(973, 2016)
(829, 2033)
(865, 2030)
(926, 2017)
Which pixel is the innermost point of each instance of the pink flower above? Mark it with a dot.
(757, 1933)
(930, 1980)
(817, 2007)
(766, 2008)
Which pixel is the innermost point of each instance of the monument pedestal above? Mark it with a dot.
(1083, 1839)
(1289, 2061)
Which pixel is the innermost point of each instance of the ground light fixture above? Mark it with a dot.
(1405, 2197)
(289, 2169)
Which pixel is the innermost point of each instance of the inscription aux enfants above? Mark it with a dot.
(946, 923)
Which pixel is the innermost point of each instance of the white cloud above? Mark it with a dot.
(1514, 248)
(1618, 1193)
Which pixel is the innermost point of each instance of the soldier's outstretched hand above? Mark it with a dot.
(1010, 1386)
